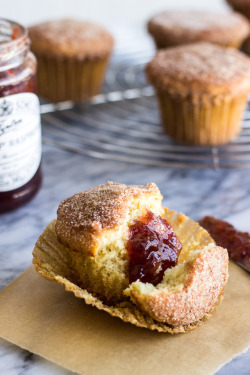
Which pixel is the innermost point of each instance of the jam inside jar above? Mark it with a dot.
(152, 247)
(20, 129)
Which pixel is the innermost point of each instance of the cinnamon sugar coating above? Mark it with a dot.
(200, 68)
(71, 38)
(206, 278)
(182, 27)
(84, 217)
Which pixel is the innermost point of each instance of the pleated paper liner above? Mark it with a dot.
(52, 261)
(207, 122)
(61, 79)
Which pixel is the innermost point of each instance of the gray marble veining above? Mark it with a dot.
(222, 193)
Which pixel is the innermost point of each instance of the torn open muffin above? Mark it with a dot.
(187, 291)
(134, 256)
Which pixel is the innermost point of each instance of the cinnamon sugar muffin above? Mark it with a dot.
(202, 91)
(173, 28)
(72, 58)
(116, 246)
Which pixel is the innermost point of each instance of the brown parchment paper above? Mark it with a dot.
(43, 318)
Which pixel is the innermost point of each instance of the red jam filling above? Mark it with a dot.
(152, 247)
(237, 243)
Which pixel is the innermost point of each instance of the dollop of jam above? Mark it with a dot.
(152, 247)
(237, 243)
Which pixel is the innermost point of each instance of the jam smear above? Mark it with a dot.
(237, 243)
(152, 247)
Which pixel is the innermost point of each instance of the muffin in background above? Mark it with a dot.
(72, 58)
(173, 28)
(202, 91)
(243, 7)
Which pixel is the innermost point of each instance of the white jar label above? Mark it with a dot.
(20, 140)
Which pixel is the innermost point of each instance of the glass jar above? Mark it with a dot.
(20, 126)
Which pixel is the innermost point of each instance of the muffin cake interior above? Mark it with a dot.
(94, 226)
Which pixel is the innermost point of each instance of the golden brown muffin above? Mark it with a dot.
(202, 91)
(90, 245)
(72, 58)
(173, 28)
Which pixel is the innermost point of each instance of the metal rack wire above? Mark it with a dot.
(123, 124)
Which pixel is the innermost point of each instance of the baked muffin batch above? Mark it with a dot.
(115, 245)
(200, 79)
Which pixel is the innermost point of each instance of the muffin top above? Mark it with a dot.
(200, 68)
(181, 27)
(70, 38)
(85, 217)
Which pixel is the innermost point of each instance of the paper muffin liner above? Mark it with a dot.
(53, 262)
(61, 79)
(208, 122)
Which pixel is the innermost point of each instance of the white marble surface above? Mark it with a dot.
(222, 193)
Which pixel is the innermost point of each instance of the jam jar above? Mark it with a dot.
(20, 125)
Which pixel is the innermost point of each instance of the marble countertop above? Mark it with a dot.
(222, 193)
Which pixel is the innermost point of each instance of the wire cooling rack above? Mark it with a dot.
(123, 124)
